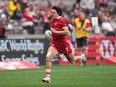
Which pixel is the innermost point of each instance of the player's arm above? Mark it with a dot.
(63, 32)
(88, 26)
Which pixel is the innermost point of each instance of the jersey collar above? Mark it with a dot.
(58, 17)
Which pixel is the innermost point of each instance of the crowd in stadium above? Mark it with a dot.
(22, 17)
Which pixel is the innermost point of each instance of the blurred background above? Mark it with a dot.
(32, 16)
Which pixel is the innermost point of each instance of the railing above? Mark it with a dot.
(99, 49)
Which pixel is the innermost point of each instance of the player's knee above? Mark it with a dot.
(48, 59)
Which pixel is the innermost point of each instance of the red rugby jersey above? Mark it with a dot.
(59, 40)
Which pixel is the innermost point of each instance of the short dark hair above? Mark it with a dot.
(58, 10)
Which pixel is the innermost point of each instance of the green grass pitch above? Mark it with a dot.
(62, 76)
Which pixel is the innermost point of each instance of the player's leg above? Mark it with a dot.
(84, 53)
(73, 59)
(70, 56)
(50, 55)
(84, 45)
(79, 45)
(84, 50)
(79, 48)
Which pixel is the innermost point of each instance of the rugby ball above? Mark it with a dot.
(48, 35)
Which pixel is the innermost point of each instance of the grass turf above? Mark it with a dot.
(62, 76)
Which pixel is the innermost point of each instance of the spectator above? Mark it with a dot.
(49, 3)
(1, 7)
(13, 9)
(104, 6)
(113, 22)
(28, 21)
(7, 26)
(98, 8)
(87, 6)
(2, 26)
(23, 4)
(100, 15)
(32, 9)
(75, 6)
(107, 27)
(38, 15)
(45, 20)
(75, 13)
(71, 28)
(112, 5)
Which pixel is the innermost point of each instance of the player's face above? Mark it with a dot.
(54, 14)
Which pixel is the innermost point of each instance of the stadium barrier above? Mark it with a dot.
(100, 50)
(94, 48)
(15, 65)
(34, 50)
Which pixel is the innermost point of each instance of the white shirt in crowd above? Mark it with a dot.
(107, 27)
(87, 4)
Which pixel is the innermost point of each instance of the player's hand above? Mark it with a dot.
(53, 30)
(83, 28)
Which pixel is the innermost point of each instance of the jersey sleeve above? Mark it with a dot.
(88, 24)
